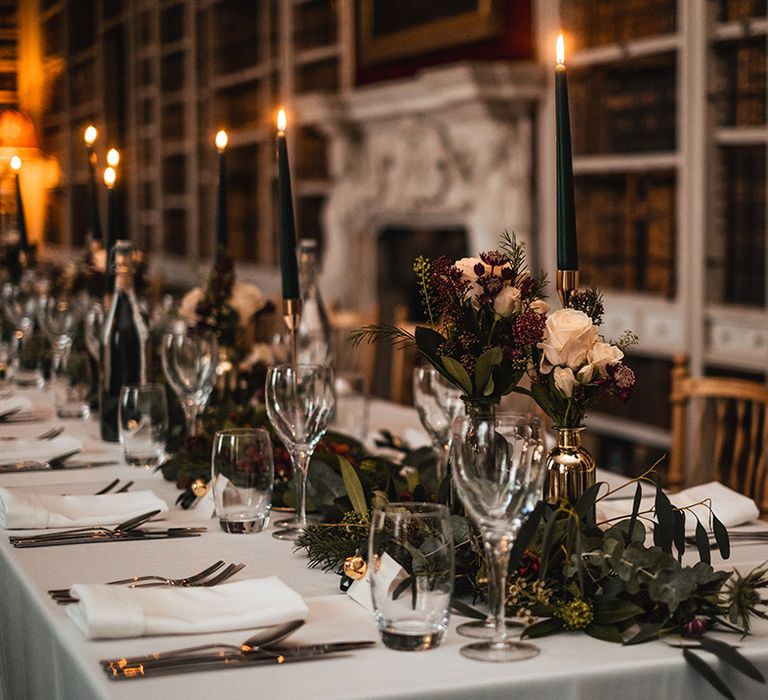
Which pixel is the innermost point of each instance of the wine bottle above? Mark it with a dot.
(123, 344)
(314, 332)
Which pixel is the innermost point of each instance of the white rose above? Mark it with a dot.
(564, 380)
(601, 355)
(507, 301)
(568, 336)
(467, 268)
(247, 299)
(539, 306)
(585, 374)
(189, 304)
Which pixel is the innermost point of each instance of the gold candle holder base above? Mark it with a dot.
(292, 318)
(567, 284)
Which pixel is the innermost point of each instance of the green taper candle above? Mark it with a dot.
(567, 243)
(289, 268)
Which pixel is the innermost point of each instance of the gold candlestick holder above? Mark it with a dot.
(292, 317)
(567, 284)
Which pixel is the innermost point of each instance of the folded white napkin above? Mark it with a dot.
(40, 450)
(730, 507)
(20, 402)
(116, 611)
(23, 509)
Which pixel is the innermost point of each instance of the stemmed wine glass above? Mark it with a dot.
(516, 429)
(300, 400)
(94, 327)
(496, 476)
(20, 305)
(437, 402)
(58, 318)
(190, 358)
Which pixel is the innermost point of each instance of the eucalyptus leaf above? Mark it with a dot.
(461, 608)
(678, 535)
(354, 487)
(702, 542)
(616, 610)
(484, 366)
(665, 516)
(606, 633)
(458, 374)
(635, 510)
(524, 536)
(721, 537)
(543, 628)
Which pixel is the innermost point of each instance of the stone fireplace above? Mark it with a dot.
(449, 148)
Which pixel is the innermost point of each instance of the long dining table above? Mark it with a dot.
(43, 655)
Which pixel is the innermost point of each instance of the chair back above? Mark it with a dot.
(402, 362)
(347, 357)
(719, 432)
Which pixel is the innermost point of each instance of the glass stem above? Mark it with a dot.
(300, 459)
(443, 451)
(497, 547)
(190, 413)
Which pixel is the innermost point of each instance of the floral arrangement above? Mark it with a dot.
(485, 315)
(226, 306)
(570, 573)
(573, 366)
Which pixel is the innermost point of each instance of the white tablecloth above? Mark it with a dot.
(43, 655)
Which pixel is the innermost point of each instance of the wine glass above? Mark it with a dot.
(94, 329)
(516, 429)
(496, 476)
(300, 400)
(58, 318)
(20, 304)
(437, 402)
(190, 357)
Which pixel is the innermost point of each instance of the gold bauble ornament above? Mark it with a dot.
(355, 567)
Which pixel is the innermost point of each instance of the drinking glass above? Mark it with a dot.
(242, 477)
(495, 476)
(20, 307)
(72, 383)
(516, 429)
(94, 327)
(58, 320)
(190, 358)
(438, 402)
(352, 405)
(143, 424)
(300, 401)
(411, 563)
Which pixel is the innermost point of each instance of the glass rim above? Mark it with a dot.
(146, 385)
(429, 510)
(234, 432)
(290, 365)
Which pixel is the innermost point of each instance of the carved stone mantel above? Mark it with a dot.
(452, 146)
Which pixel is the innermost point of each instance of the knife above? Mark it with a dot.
(133, 535)
(124, 669)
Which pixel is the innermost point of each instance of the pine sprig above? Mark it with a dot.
(397, 337)
(328, 545)
(514, 251)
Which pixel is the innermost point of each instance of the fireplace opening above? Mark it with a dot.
(396, 286)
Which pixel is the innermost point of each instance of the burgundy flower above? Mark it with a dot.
(696, 627)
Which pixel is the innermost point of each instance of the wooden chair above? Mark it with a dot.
(402, 363)
(348, 358)
(728, 421)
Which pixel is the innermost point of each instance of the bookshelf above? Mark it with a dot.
(668, 105)
(179, 70)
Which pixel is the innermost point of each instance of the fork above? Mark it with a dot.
(222, 576)
(125, 487)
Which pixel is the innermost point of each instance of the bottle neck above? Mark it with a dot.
(123, 281)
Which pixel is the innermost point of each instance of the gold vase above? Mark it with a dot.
(570, 469)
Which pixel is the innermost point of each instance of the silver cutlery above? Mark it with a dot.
(47, 435)
(262, 639)
(59, 462)
(125, 487)
(6, 395)
(5, 415)
(64, 596)
(127, 536)
(124, 669)
(97, 530)
(54, 592)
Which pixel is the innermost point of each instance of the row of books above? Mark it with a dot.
(600, 22)
(627, 224)
(624, 108)
(740, 83)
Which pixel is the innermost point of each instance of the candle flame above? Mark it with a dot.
(110, 175)
(16, 163)
(281, 120)
(113, 157)
(221, 140)
(560, 50)
(90, 135)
